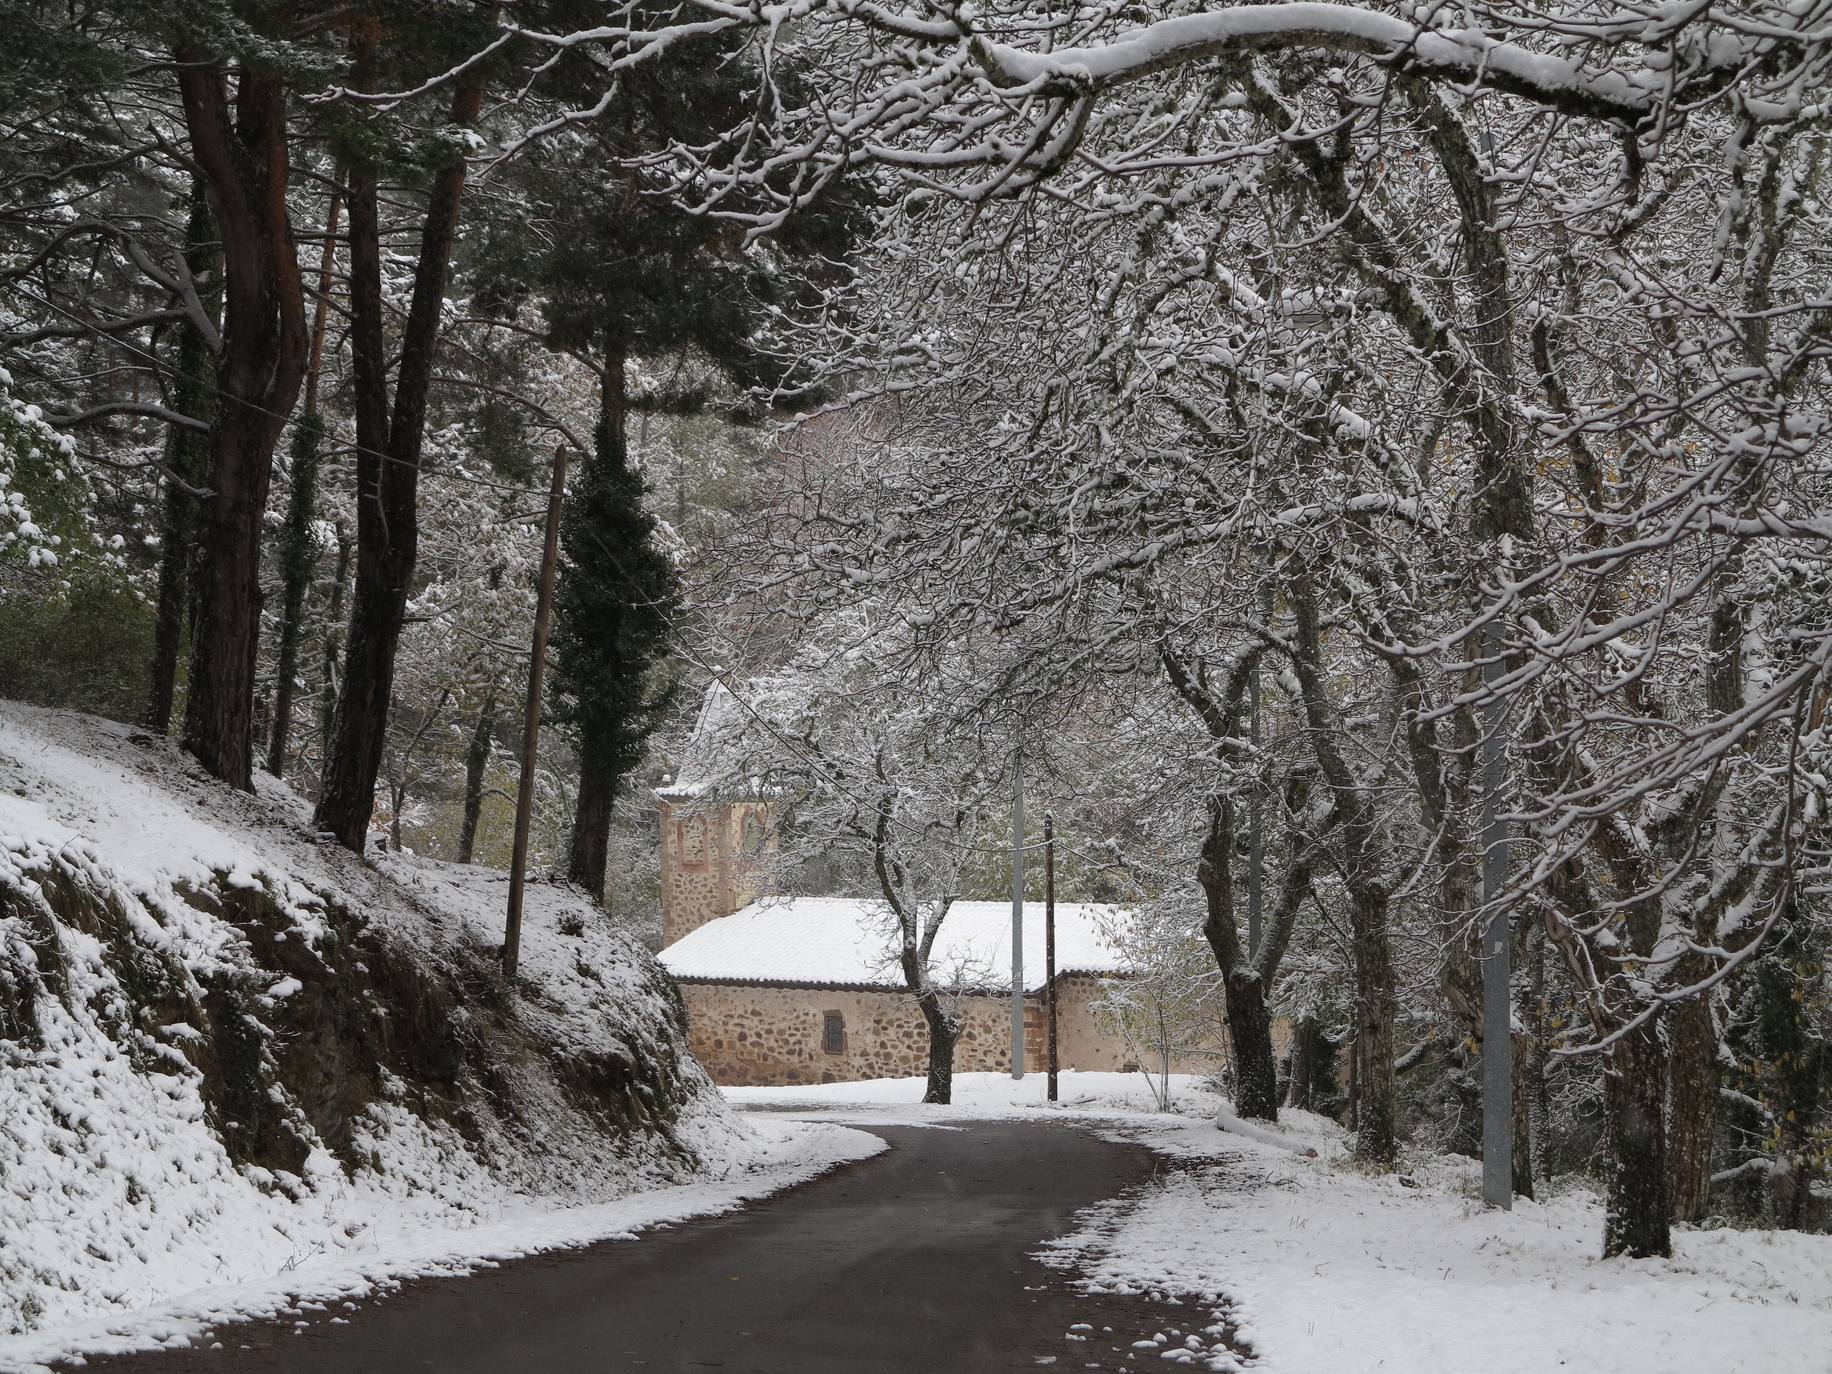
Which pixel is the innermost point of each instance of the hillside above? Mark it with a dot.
(228, 1050)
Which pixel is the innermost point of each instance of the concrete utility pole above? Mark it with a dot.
(1497, 992)
(1017, 913)
(531, 721)
(1049, 937)
(1256, 835)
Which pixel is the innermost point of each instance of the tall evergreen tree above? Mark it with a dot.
(627, 275)
(613, 610)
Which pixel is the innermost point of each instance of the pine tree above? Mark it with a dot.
(630, 275)
(617, 595)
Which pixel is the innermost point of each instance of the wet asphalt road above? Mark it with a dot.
(916, 1260)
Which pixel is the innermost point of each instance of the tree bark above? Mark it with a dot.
(1256, 1079)
(1376, 1122)
(1256, 1072)
(186, 460)
(1313, 1068)
(388, 475)
(1634, 1094)
(476, 763)
(297, 556)
(1363, 856)
(333, 639)
(1525, 1069)
(600, 770)
(1786, 981)
(1692, 1105)
(944, 1031)
(244, 162)
(1245, 972)
(296, 563)
(591, 832)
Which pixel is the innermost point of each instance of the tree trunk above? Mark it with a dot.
(1376, 1124)
(1634, 1094)
(601, 770)
(244, 165)
(591, 832)
(476, 764)
(186, 460)
(388, 477)
(1692, 1105)
(296, 562)
(1297, 1068)
(1313, 1068)
(1256, 1080)
(297, 555)
(1256, 1070)
(944, 1030)
(1786, 983)
(1525, 1067)
(333, 640)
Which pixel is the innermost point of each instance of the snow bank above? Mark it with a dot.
(1325, 1268)
(1321, 1269)
(391, 1252)
(235, 1059)
(993, 1095)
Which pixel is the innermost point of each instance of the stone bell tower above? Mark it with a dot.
(716, 857)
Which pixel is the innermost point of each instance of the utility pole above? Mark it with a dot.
(1497, 992)
(1049, 936)
(531, 721)
(1017, 913)
(1256, 835)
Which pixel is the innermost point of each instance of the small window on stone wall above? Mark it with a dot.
(833, 1033)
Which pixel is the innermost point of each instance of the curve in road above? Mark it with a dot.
(918, 1259)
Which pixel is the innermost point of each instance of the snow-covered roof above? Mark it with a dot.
(848, 942)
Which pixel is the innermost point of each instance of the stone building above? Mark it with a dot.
(806, 990)
(803, 990)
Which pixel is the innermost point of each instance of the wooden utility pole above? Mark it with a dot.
(1049, 937)
(1017, 913)
(531, 724)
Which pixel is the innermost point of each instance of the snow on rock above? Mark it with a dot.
(239, 1062)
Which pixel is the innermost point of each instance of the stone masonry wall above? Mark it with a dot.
(748, 1035)
(713, 858)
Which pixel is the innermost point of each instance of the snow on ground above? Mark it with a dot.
(1326, 1270)
(150, 921)
(394, 1248)
(985, 1096)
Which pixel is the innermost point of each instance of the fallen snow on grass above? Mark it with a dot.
(986, 1096)
(1326, 1270)
(396, 1246)
(1321, 1269)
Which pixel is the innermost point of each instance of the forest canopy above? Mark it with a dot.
(1369, 460)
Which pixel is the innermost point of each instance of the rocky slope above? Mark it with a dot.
(227, 1048)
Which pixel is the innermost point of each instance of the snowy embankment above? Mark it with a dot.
(1326, 1270)
(243, 1070)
